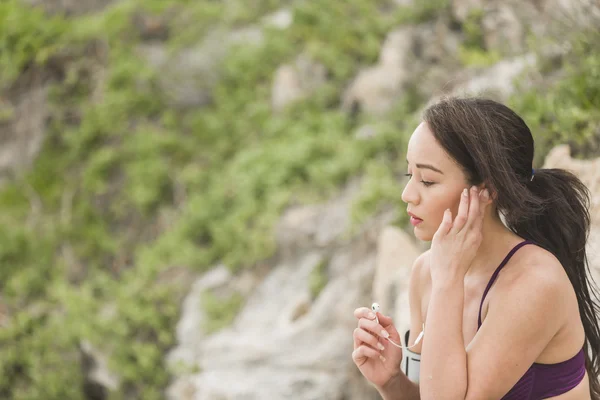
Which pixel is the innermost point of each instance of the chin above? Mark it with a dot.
(423, 235)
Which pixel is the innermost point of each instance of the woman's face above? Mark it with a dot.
(435, 185)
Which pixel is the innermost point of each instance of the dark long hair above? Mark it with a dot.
(493, 144)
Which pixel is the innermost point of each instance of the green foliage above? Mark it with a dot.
(340, 35)
(128, 185)
(197, 18)
(473, 30)
(318, 278)
(473, 51)
(27, 36)
(381, 186)
(421, 11)
(477, 58)
(38, 356)
(219, 310)
(28, 264)
(138, 335)
(262, 160)
(568, 110)
(380, 189)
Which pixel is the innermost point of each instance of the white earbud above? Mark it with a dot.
(377, 308)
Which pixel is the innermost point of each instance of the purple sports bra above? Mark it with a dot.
(541, 381)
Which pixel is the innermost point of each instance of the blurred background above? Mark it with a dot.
(196, 194)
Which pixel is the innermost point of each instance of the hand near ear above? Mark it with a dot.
(456, 242)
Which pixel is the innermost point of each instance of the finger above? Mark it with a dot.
(445, 226)
(364, 312)
(361, 354)
(484, 196)
(363, 337)
(387, 323)
(461, 216)
(357, 341)
(373, 327)
(474, 205)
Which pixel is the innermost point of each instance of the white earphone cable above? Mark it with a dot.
(375, 307)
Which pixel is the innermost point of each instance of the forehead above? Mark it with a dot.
(424, 148)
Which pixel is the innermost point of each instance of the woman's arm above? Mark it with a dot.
(400, 388)
(444, 358)
(516, 330)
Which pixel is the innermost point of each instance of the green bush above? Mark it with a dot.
(27, 37)
(220, 311)
(567, 110)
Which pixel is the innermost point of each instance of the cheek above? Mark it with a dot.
(436, 203)
(453, 204)
(440, 203)
(447, 200)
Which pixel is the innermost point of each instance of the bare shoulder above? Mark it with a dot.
(531, 287)
(536, 273)
(534, 263)
(418, 280)
(420, 270)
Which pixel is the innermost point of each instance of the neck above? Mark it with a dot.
(497, 241)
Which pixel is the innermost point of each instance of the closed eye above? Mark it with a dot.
(426, 183)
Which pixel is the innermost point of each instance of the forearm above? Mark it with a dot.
(400, 388)
(443, 355)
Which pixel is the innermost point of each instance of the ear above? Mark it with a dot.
(493, 193)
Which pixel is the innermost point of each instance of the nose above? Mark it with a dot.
(410, 193)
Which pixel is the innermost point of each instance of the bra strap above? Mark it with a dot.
(496, 272)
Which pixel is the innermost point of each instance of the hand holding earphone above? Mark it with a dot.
(376, 359)
(375, 307)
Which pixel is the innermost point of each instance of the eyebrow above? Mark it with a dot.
(427, 166)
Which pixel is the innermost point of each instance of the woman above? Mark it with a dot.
(507, 306)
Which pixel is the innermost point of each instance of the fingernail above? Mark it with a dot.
(371, 315)
(382, 358)
(474, 188)
(385, 333)
(486, 194)
(380, 346)
(465, 192)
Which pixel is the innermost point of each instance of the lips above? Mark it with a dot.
(414, 216)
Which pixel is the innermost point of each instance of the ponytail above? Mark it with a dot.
(561, 225)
